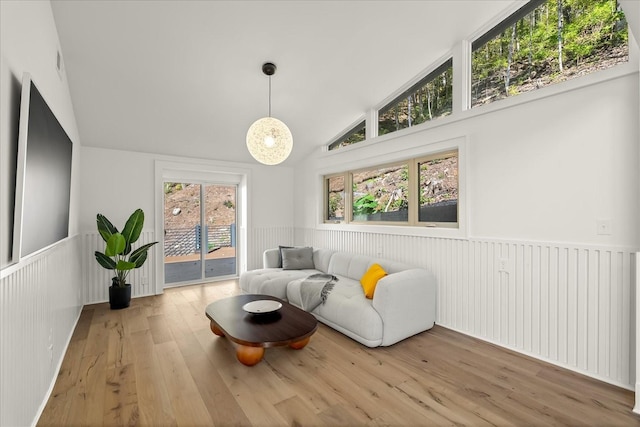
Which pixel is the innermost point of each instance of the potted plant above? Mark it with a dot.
(119, 257)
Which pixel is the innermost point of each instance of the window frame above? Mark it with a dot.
(360, 126)
(345, 199)
(440, 155)
(496, 28)
(351, 219)
(412, 190)
(505, 23)
(461, 55)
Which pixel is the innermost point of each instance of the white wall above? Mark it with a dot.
(547, 169)
(632, 12)
(540, 170)
(29, 44)
(115, 183)
(41, 296)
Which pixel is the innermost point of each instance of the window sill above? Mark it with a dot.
(420, 231)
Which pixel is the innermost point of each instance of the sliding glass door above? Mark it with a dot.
(199, 232)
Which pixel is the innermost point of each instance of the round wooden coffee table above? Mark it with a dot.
(288, 326)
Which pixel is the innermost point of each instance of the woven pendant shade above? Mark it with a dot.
(269, 141)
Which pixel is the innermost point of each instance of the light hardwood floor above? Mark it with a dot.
(157, 363)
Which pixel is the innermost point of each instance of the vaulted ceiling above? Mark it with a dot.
(184, 77)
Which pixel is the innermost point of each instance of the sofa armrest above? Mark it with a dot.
(406, 302)
(270, 258)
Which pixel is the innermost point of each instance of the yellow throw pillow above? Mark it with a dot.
(370, 279)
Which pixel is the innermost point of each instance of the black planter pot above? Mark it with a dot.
(119, 297)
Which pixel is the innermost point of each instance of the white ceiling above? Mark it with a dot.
(184, 77)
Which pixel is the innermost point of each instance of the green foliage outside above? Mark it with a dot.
(432, 100)
(170, 187)
(365, 205)
(336, 203)
(386, 190)
(542, 48)
(335, 198)
(353, 139)
(546, 46)
(357, 134)
(381, 190)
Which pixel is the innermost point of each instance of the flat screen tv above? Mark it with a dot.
(43, 176)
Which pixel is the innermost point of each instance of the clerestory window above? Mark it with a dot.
(352, 136)
(428, 99)
(546, 42)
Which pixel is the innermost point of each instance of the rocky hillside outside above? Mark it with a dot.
(182, 205)
(386, 189)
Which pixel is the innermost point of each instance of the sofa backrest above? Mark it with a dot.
(321, 258)
(349, 265)
(344, 264)
(354, 266)
(391, 266)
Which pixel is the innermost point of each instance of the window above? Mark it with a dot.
(428, 99)
(438, 189)
(352, 136)
(421, 191)
(334, 193)
(380, 194)
(546, 42)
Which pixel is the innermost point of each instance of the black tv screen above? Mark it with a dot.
(43, 176)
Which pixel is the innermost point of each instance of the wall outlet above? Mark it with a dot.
(503, 265)
(604, 227)
(144, 281)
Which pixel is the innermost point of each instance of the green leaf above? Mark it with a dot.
(105, 228)
(115, 245)
(105, 261)
(125, 265)
(133, 227)
(139, 259)
(139, 256)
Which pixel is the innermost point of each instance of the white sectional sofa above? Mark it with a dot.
(403, 304)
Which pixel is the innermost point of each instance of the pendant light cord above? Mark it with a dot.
(269, 96)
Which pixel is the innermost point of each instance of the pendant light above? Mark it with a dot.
(268, 139)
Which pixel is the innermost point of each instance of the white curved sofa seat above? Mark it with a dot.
(270, 281)
(404, 302)
(345, 311)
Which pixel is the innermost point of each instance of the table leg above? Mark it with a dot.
(216, 330)
(249, 355)
(300, 344)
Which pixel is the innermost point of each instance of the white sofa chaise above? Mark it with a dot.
(403, 304)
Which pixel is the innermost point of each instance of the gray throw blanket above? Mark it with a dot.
(315, 289)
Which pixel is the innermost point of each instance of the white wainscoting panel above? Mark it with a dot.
(261, 239)
(97, 279)
(570, 305)
(40, 302)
